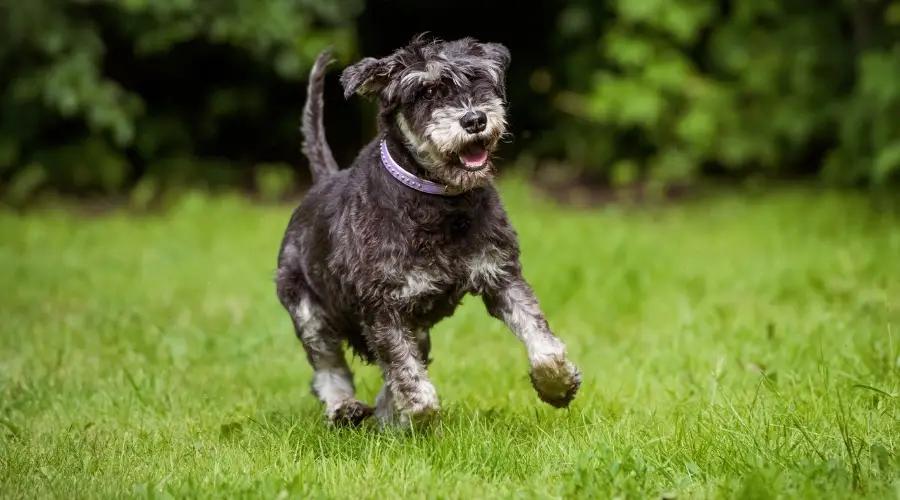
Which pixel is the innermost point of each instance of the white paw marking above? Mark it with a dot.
(333, 386)
(419, 403)
(544, 350)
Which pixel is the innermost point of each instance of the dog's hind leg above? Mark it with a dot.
(385, 407)
(406, 375)
(332, 381)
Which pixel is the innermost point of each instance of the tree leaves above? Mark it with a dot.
(54, 56)
(751, 87)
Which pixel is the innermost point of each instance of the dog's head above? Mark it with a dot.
(446, 99)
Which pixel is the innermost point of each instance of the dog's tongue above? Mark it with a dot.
(473, 155)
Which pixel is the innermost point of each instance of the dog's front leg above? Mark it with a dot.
(406, 376)
(553, 376)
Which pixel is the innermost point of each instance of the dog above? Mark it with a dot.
(376, 254)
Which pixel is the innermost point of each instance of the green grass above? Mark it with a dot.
(738, 347)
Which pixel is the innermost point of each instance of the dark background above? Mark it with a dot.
(131, 99)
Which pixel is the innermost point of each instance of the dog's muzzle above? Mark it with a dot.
(473, 156)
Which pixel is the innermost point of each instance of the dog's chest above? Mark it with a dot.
(457, 255)
(431, 255)
(449, 275)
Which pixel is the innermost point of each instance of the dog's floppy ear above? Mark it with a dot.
(367, 77)
(497, 52)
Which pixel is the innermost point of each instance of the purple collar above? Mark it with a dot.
(411, 180)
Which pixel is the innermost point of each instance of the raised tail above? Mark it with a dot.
(315, 146)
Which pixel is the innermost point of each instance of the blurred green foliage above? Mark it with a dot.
(743, 86)
(659, 90)
(55, 77)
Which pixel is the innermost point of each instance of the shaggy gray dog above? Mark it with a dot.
(377, 254)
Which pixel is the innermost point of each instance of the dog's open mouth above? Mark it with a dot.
(473, 156)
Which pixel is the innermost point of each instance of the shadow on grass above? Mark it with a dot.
(455, 419)
(480, 442)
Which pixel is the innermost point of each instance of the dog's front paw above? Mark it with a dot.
(349, 412)
(556, 381)
(419, 404)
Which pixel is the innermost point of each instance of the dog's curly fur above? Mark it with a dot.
(371, 262)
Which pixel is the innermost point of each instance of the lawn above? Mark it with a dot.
(743, 346)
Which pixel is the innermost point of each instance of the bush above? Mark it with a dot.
(747, 86)
(132, 96)
(78, 106)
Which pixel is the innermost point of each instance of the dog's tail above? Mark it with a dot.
(315, 146)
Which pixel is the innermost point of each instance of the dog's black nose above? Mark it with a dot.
(474, 122)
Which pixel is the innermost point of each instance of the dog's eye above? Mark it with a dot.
(429, 93)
